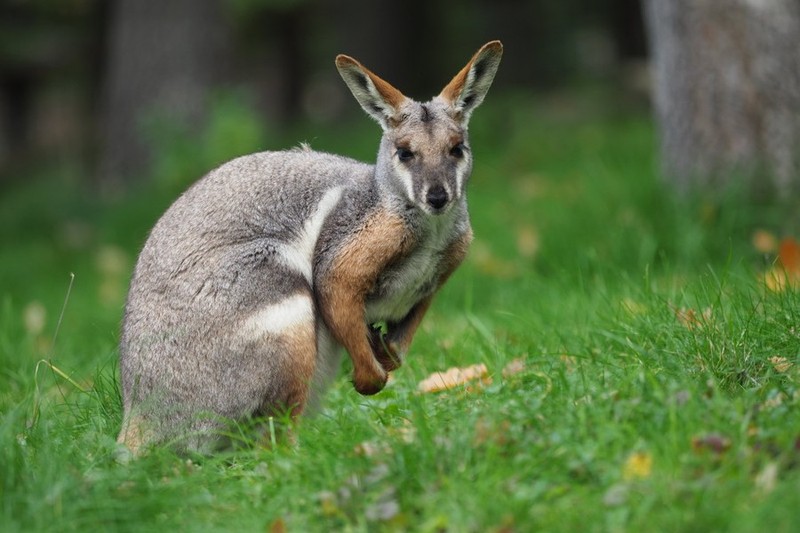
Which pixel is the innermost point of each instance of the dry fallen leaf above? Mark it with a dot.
(778, 279)
(689, 318)
(789, 256)
(786, 272)
(638, 465)
(278, 526)
(781, 364)
(453, 377)
(764, 242)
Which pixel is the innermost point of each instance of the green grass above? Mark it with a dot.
(628, 416)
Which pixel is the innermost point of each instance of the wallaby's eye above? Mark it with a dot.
(405, 155)
(457, 151)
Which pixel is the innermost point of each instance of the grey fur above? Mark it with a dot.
(230, 247)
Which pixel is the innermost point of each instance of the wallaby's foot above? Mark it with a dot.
(133, 438)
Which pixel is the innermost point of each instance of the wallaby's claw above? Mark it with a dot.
(385, 351)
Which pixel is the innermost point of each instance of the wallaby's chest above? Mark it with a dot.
(407, 281)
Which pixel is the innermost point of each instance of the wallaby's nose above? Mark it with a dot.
(437, 197)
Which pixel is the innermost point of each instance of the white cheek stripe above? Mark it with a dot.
(407, 179)
(461, 177)
(299, 255)
(274, 319)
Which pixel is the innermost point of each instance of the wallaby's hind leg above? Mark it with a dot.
(287, 332)
(134, 434)
(301, 354)
(296, 379)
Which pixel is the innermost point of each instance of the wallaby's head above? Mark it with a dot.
(424, 158)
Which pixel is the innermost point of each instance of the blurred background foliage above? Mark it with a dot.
(123, 89)
(131, 88)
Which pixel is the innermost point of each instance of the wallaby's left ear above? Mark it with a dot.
(378, 97)
(467, 89)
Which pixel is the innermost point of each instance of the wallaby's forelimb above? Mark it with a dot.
(343, 292)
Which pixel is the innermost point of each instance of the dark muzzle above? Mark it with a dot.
(437, 197)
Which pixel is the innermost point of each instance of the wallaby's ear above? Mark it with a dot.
(467, 89)
(376, 96)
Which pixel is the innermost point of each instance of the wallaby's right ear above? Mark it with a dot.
(376, 96)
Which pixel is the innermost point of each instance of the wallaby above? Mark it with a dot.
(255, 278)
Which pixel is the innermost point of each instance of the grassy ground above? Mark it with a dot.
(658, 389)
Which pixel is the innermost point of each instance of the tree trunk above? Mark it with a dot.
(164, 58)
(726, 89)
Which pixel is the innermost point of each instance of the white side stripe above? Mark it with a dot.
(276, 318)
(299, 254)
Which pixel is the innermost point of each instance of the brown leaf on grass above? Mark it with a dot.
(786, 273)
(780, 364)
(453, 377)
(764, 242)
(789, 256)
(777, 280)
(690, 318)
(715, 443)
(278, 526)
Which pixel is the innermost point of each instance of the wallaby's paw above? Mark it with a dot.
(385, 351)
(369, 384)
(389, 359)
